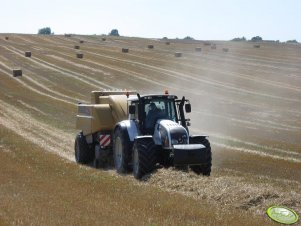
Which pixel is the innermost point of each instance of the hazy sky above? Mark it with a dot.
(200, 19)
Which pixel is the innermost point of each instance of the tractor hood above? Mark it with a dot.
(169, 133)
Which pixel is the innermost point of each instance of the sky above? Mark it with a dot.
(200, 19)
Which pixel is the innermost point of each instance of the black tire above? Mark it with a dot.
(183, 168)
(99, 163)
(204, 169)
(82, 151)
(121, 148)
(144, 157)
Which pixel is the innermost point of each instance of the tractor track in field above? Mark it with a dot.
(36, 90)
(223, 188)
(45, 136)
(53, 94)
(130, 73)
(226, 189)
(180, 75)
(254, 122)
(48, 88)
(158, 82)
(251, 170)
(234, 59)
(204, 80)
(68, 73)
(138, 76)
(237, 75)
(174, 74)
(256, 146)
(234, 144)
(223, 60)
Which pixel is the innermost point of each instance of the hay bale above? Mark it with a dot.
(256, 46)
(198, 49)
(103, 39)
(17, 72)
(80, 55)
(207, 43)
(27, 54)
(76, 47)
(167, 43)
(150, 46)
(6, 38)
(178, 54)
(213, 46)
(81, 41)
(125, 50)
(68, 35)
(225, 50)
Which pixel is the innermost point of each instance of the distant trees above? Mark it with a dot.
(239, 39)
(188, 38)
(292, 41)
(45, 31)
(256, 39)
(114, 32)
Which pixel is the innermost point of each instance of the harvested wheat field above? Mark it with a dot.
(248, 100)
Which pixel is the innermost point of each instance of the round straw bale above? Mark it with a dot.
(125, 50)
(76, 47)
(150, 46)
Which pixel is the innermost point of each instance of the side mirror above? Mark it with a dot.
(132, 109)
(188, 108)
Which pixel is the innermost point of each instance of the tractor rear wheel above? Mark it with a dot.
(204, 169)
(144, 157)
(83, 153)
(120, 151)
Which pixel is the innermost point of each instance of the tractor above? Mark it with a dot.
(136, 133)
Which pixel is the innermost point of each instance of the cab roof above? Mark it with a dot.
(151, 96)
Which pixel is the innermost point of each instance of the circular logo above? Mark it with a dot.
(282, 214)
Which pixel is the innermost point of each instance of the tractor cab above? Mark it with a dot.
(148, 109)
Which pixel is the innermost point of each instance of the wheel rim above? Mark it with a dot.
(135, 161)
(118, 152)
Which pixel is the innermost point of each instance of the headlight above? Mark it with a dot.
(179, 139)
(174, 141)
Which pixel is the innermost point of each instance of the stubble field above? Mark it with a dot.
(248, 100)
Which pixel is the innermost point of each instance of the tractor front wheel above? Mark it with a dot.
(204, 169)
(144, 157)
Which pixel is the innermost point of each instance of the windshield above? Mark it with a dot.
(159, 109)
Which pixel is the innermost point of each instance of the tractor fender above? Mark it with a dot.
(131, 127)
(197, 137)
